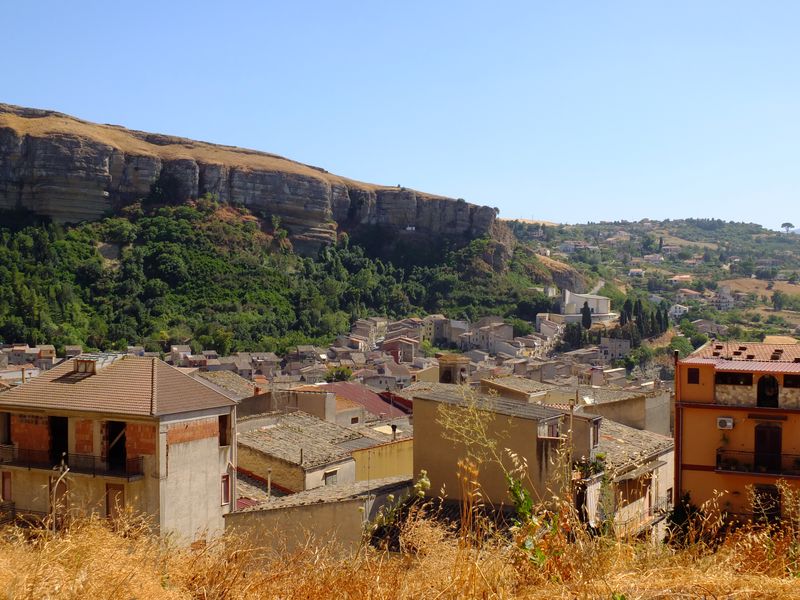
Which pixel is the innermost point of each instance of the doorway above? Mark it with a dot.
(768, 448)
(117, 453)
(59, 439)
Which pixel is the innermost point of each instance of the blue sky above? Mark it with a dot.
(564, 111)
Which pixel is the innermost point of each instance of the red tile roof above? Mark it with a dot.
(129, 385)
(369, 400)
(748, 357)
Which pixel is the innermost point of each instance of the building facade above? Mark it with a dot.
(737, 425)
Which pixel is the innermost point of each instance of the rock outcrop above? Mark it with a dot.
(73, 170)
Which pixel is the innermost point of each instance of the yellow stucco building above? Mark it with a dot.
(737, 425)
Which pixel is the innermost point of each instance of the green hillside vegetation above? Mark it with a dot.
(218, 277)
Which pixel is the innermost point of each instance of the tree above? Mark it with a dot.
(778, 300)
(338, 374)
(787, 226)
(586, 316)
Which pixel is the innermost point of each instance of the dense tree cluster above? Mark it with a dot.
(216, 277)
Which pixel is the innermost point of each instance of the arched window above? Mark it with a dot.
(767, 392)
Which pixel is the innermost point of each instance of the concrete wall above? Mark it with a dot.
(285, 474)
(386, 460)
(345, 473)
(341, 523)
(440, 456)
(192, 464)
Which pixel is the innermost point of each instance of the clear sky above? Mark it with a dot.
(567, 111)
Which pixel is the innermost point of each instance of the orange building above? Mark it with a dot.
(737, 425)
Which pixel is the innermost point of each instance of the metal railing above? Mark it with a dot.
(641, 519)
(768, 463)
(78, 463)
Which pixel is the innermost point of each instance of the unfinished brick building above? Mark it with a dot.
(136, 434)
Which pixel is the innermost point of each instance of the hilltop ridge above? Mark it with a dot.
(73, 170)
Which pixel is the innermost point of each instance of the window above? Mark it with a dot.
(225, 430)
(330, 477)
(225, 484)
(596, 433)
(549, 429)
(723, 378)
(353, 420)
(693, 376)
(791, 381)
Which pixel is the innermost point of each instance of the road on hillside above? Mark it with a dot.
(596, 288)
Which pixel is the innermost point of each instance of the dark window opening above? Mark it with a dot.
(353, 420)
(5, 428)
(59, 445)
(693, 376)
(117, 452)
(767, 392)
(791, 381)
(225, 430)
(723, 378)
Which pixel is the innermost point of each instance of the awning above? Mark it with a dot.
(638, 472)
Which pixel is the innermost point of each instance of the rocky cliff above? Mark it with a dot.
(73, 170)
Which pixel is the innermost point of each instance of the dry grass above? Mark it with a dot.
(759, 286)
(89, 560)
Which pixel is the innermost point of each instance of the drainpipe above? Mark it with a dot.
(676, 493)
(269, 483)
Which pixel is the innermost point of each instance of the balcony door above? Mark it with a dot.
(117, 454)
(58, 439)
(768, 448)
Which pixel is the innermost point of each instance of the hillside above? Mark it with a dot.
(73, 170)
(221, 277)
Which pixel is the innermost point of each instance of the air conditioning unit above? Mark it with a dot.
(724, 422)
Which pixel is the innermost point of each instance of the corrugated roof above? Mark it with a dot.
(130, 385)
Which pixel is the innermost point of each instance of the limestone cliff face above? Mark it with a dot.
(72, 170)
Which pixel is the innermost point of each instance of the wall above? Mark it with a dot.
(285, 474)
(288, 529)
(191, 466)
(386, 460)
(345, 473)
(440, 456)
(701, 439)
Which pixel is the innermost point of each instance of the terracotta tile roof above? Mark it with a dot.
(360, 394)
(748, 357)
(232, 384)
(129, 385)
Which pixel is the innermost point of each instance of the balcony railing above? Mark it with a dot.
(767, 463)
(641, 519)
(9, 513)
(78, 463)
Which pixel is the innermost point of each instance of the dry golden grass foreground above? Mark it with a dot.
(90, 561)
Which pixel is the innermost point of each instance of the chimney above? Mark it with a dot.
(23, 374)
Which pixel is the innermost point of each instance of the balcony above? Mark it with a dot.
(642, 517)
(763, 463)
(78, 463)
